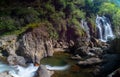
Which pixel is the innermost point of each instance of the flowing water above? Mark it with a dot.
(63, 61)
(85, 27)
(104, 28)
(59, 68)
(19, 71)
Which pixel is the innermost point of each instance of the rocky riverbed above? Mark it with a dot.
(89, 56)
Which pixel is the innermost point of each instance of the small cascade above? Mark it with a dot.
(85, 27)
(5, 67)
(104, 28)
(24, 71)
(19, 71)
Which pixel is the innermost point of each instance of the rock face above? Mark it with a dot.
(35, 44)
(8, 43)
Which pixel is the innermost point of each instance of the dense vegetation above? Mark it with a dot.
(16, 16)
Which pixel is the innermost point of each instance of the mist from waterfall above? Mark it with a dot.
(104, 28)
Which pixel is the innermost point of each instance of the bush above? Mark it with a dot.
(51, 30)
(78, 14)
(28, 14)
(59, 4)
(116, 18)
(76, 25)
(108, 9)
(79, 3)
(70, 7)
(7, 24)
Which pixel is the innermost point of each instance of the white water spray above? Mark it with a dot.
(24, 71)
(4, 67)
(104, 28)
(57, 67)
(19, 71)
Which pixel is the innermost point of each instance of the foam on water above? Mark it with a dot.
(57, 67)
(24, 71)
(20, 71)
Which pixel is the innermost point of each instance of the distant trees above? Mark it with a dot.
(20, 13)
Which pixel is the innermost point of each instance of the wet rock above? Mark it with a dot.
(8, 43)
(76, 57)
(16, 60)
(90, 61)
(115, 74)
(82, 51)
(5, 74)
(43, 72)
(96, 50)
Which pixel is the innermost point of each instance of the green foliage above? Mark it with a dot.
(7, 24)
(79, 3)
(20, 16)
(78, 14)
(28, 14)
(112, 11)
(74, 22)
(49, 8)
(69, 9)
(77, 27)
(59, 4)
(33, 25)
(52, 32)
(116, 18)
(108, 8)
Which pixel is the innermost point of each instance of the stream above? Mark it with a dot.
(72, 69)
(63, 66)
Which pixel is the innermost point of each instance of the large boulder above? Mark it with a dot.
(43, 72)
(35, 44)
(82, 51)
(90, 61)
(8, 43)
(16, 60)
(5, 74)
(96, 50)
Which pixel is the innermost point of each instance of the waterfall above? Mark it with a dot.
(104, 28)
(85, 28)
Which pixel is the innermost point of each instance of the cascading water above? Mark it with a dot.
(24, 72)
(104, 28)
(19, 71)
(85, 27)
